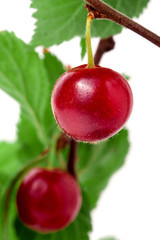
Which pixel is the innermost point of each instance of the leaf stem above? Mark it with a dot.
(103, 10)
(88, 40)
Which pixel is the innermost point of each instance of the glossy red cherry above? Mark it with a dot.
(91, 104)
(48, 200)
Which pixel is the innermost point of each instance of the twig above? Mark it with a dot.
(62, 141)
(104, 45)
(72, 158)
(103, 10)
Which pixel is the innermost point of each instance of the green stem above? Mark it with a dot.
(88, 41)
(52, 157)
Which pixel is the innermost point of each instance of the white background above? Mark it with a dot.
(129, 208)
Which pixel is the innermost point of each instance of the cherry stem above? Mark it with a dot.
(10, 189)
(88, 40)
(72, 158)
(105, 45)
(103, 10)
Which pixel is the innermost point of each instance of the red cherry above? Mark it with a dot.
(91, 104)
(48, 200)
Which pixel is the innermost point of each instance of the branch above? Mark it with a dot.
(62, 141)
(103, 10)
(105, 45)
(72, 158)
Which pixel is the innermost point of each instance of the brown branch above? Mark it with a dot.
(103, 10)
(72, 158)
(62, 141)
(104, 45)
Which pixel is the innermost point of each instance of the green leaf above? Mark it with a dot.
(58, 21)
(3, 178)
(30, 80)
(23, 233)
(9, 161)
(10, 231)
(83, 47)
(23, 77)
(31, 146)
(78, 230)
(54, 67)
(9, 165)
(127, 77)
(98, 163)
